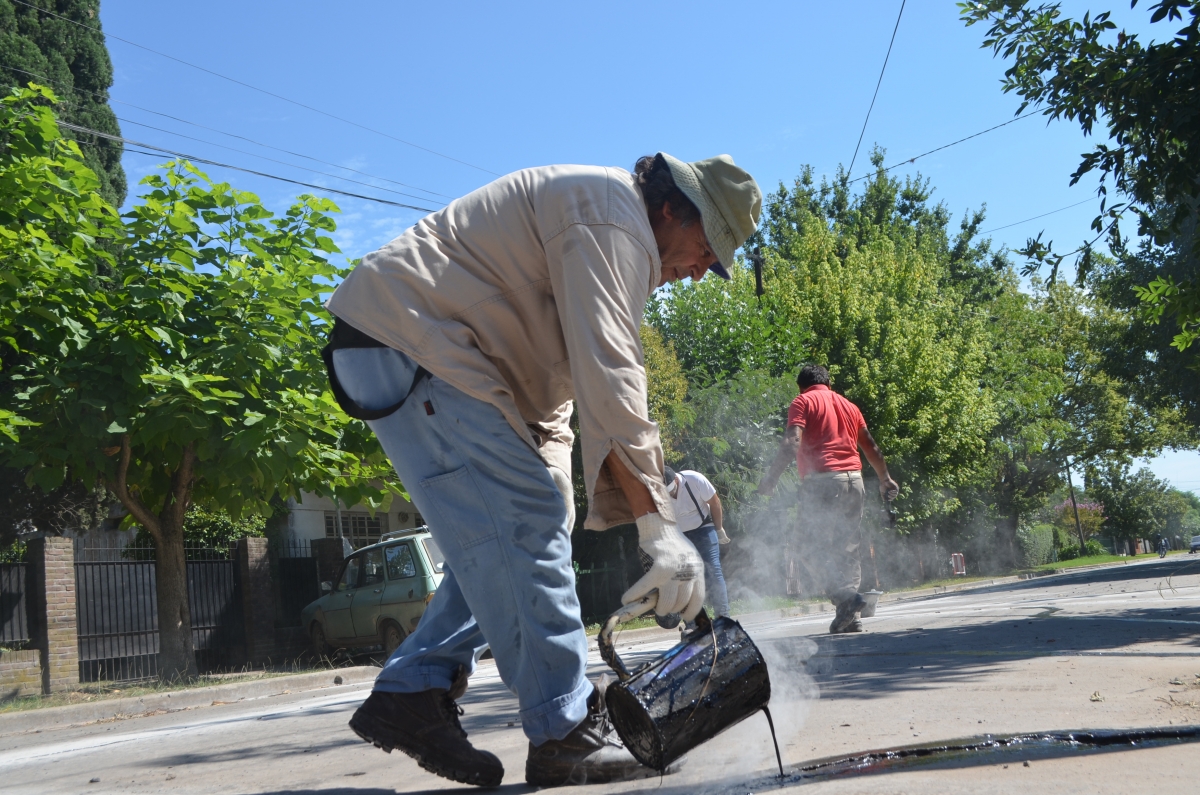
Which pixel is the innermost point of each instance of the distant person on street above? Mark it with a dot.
(699, 514)
(466, 344)
(824, 434)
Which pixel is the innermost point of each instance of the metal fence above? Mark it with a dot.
(14, 624)
(117, 609)
(296, 577)
(599, 589)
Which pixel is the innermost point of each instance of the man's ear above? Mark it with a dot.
(667, 212)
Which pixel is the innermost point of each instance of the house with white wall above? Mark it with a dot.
(314, 517)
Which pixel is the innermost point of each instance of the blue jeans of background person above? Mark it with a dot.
(494, 510)
(704, 539)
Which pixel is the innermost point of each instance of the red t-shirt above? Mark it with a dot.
(830, 439)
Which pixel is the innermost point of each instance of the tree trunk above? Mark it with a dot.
(176, 657)
(1007, 554)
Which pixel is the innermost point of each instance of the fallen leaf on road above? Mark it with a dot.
(1097, 697)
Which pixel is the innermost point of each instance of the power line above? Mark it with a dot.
(105, 98)
(256, 88)
(1034, 218)
(162, 150)
(877, 85)
(271, 159)
(946, 146)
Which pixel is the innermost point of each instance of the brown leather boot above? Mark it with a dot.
(425, 726)
(591, 754)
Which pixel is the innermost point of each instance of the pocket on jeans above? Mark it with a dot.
(461, 511)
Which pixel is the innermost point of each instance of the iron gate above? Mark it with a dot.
(14, 626)
(599, 589)
(117, 611)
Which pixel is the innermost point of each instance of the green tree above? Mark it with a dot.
(855, 283)
(40, 48)
(1146, 96)
(1057, 404)
(179, 363)
(1136, 505)
(666, 388)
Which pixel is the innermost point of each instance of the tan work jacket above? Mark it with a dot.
(528, 293)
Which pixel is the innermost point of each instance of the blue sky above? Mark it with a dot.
(495, 87)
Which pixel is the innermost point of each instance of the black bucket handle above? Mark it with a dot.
(608, 651)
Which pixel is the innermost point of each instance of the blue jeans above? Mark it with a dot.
(494, 510)
(704, 539)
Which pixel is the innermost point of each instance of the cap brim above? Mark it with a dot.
(719, 269)
(719, 235)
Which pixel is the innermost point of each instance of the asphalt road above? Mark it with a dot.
(1113, 648)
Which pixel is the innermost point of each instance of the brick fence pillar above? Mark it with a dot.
(258, 599)
(52, 611)
(329, 555)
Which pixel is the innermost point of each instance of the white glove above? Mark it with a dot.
(676, 572)
(721, 537)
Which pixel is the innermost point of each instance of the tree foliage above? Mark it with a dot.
(39, 48)
(172, 354)
(1145, 94)
(855, 283)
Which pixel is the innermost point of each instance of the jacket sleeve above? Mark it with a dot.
(601, 277)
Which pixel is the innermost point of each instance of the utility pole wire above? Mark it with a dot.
(271, 159)
(877, 85)
(946, 146)
(256, 88)
(193, 158)
(46, 81)
(1034, 218)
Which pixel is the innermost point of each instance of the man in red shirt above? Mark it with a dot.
(824, 434)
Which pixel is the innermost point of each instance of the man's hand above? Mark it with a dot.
(676, 570)
(888, 488)
(784, 456)
(722, 538)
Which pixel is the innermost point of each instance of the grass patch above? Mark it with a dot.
(1093, 560)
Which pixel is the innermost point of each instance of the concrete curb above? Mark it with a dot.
(35, 720)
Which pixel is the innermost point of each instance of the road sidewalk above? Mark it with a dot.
(49, 718)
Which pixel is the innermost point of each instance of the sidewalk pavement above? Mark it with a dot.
(49, 718)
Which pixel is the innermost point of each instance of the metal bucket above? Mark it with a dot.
(872, 598)
(714, 678)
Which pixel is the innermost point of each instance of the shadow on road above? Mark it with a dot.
(878, 662)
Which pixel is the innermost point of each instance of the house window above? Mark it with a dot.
(360, 528)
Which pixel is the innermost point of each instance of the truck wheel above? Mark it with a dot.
(393, 636)
(317, 634)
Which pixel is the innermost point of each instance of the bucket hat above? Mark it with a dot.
(729, 201)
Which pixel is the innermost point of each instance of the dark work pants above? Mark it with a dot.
(831, 508)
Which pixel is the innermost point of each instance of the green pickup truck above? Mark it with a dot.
(379, 595)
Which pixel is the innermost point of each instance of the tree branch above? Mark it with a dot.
(181, 489)
(132, 502)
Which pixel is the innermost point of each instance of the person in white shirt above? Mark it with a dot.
(699, 514)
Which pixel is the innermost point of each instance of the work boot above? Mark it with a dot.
(591, 754)
(425, 726)
(853, 626)
(844, 618)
